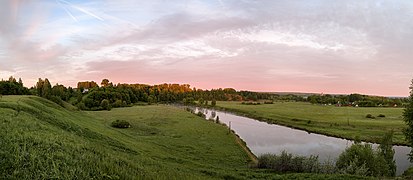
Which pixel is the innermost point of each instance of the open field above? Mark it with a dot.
(40, 140)
(344, 122)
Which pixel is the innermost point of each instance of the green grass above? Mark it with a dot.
(41, 140)
(344, 122)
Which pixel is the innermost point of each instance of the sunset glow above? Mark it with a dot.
(319, 46)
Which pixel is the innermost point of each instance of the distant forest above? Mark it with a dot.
(89, 95)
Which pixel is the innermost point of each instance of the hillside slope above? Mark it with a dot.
(42, 140)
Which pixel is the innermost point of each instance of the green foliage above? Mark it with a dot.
(370, 116)
(213, 102)
(408, 174)
(408, 119)
(286, 162)
(251, 103)
(381, 115)
(105, 104)
(12, 87)
(200, 114)
(201, 101)
(120, 124)
(387, 151)
(361, 159)
(268, 102)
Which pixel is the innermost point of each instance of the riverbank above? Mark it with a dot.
(341, 122)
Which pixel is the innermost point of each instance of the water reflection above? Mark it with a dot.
(262, 138)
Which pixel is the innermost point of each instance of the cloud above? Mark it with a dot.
(315, 45)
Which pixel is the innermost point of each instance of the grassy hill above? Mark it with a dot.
(41, 140)
(345, 122)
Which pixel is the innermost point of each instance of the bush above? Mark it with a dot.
(106, 105)
(200, 114)
(251, 103)
(57, 100)
(408, 174)
(286, 162)
(361, 159)
(381, 115)
(120, 124)
(81, 106)
(370, 116)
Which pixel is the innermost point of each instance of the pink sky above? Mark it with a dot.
(328, 46)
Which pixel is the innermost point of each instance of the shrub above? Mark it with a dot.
(381, 115)
(362, 159)
(57, 100)
(120, 124)
(217, 120)
(286, 162)
(370, 116)
(213, 102)
(251, 103)
(200, 114)
(105, 104)
(408, 174)
(81, 106)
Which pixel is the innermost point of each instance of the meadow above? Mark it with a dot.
(343, 122)
(41, 140)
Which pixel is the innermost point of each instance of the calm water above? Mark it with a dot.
(262, 138)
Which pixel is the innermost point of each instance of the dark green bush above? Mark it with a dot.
(286, 162)
(251, 103)
(370, 116)
(381, 115)
(120, 124)
(363, 160)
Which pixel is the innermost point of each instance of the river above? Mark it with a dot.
(262, 138)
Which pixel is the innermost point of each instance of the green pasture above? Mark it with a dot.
(345, 122)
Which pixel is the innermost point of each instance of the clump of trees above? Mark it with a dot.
(13, 87)
(356, 100)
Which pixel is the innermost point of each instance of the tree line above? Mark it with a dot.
(88, 95)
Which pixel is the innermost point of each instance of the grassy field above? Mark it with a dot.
(345, 122)
(41, 140)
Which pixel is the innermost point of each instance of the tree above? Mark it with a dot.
(387, 152)
(105, 104)
(408, 119)
(104, 83)
(20, 82)
(213, 102)
(39, 87)
(201, 101)
(47, 89)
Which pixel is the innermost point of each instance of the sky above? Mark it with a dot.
(319, 46)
